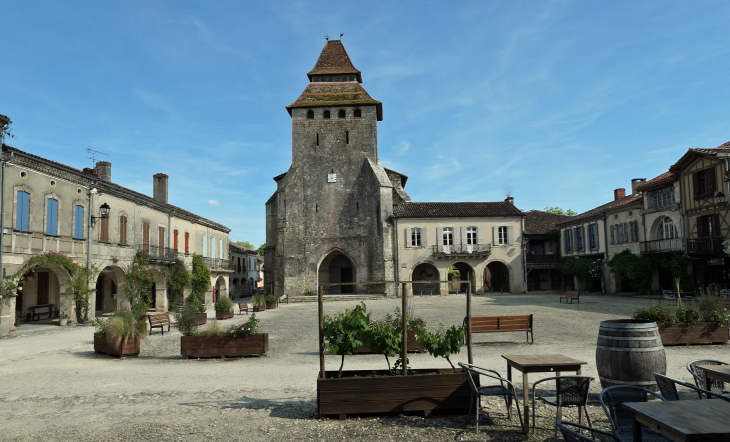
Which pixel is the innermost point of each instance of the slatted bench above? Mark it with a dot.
(572, 296)
(159, 320)
(42, 309)
(495, 324)
(243, 306)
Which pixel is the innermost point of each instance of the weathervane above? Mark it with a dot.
(93, 154)
(327, 37)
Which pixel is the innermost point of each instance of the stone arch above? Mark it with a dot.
(49, 285)
(426, 271)
(467, 276)
(221, 287)
(336, 266)
(655, 227)
(110, 289)
(497, 276)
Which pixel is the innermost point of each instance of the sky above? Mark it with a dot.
(556, 103)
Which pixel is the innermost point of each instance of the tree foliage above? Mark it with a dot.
(139, 285)
(178, 277)
(262, 249)
(559, 211)
(200, 279)
(246, 244)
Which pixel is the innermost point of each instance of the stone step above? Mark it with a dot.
(330, 298)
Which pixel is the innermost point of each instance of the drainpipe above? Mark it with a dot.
(2, 207)
(92, 192)
(605, 255)
(395, 255)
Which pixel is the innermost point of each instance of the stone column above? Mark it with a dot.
(7, 316)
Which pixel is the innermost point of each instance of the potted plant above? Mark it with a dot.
(215, 341)
(271, 301)
(120, 334)
(223, 308)
(62, 319)
(259, 303)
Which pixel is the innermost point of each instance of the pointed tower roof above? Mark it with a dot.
(334, 60)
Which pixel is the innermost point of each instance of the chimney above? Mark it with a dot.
(104, 170)
(618, 194)
(636, 182)
(159, 187)
(510, 200)
(91, 171)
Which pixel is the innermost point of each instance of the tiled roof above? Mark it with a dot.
(336, 94)
(724, 148)
(452, 210)
(538, 222)
(240, 247)
(260, 258)
(137, 194)
(621, 202)
(334, 60)
(665, 177)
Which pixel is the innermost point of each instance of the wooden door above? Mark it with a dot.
(42, 288)
(100, 293)
(161, 240)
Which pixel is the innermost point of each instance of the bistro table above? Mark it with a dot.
(717, 372)
(538, 364)
(683, 421)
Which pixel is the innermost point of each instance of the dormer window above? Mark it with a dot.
(326, 115)
(341, 114)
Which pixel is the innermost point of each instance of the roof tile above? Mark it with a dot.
(666, 176)
(452, 210)
(615, 204)
(334, 60)
(538, 222)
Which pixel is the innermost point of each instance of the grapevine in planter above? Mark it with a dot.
(215, 341)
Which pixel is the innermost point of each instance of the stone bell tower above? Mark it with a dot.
(329, 220)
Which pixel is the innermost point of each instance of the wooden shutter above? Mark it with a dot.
(161, 237)
(510, 235)
(696, 184)
(439, 236)
(495, 235)
(462, 235)
(566, 244)
(424, 234)
(711, 181)
(715, 224)
(457, 235)
(79, 222)
(187, 243)
(613, 232)
(104, 231)
(175, 240)
(51, 217)
(123, 230)
(480, 235)
(408, 236)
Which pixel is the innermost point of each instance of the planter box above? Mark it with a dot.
(259, 308)
(376, 392)
(222, 346)
(413, 345)
(202, 318)
(224, 314)
(701, 333)
(123, 348)
(271, 305)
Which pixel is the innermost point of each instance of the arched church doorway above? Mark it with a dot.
(426, 272)
(496, 277)
(465, 277)
(337, 268)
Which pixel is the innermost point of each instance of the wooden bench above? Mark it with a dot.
(571, 296)
(494, 324)
(243, 306)
(159, 320)
(49, 309)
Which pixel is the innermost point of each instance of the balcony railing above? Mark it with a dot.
(219, 264)
(156, 253)
(704, 245)
(469, 250)
(544, 259)
(661, 245)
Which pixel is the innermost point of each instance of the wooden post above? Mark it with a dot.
(404, 314)
(321, 332)
(468, 324)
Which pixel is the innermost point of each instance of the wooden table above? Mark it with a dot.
(538, 364)
(683, 421)
(717, 372)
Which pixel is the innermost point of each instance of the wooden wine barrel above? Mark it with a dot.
(628, 352)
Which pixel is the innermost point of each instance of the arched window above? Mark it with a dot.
(341, 114)
(310, 115)
(358, 113)
(326, 115)
(666, 229)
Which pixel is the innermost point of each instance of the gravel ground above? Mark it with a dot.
(57, 388)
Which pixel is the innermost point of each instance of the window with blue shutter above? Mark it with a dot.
(22, 215)
(78, 221)
(51, 217)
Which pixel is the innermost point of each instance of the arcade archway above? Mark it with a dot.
(426, 272)
(496, 277)
(335, 268)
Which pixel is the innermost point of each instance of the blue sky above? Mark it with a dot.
(556, 103)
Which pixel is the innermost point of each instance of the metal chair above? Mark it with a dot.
(668, 388)
(504, 389)
(622, 419)
(570, 435)
(717, 387)
(570, 391)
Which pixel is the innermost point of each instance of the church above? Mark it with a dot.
(339, 216)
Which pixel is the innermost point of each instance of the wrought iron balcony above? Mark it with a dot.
(463, 250)
(707, 245)
(219, 264)
(662, 245)
(544, 259)
(156, 253)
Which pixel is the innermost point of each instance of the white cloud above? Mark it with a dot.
(215, 203)
(404, 146)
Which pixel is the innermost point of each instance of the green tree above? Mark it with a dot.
(262, 249)
(200, 279)
(245, 244)
(559, 211)
(139, 285)
(178, 277)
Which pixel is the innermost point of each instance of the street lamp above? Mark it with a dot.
(104, 211)
(720, 197)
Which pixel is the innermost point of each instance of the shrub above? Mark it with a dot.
(246, 329)
(258, 300)
(662, 314)
(200, 278)
(187, 318)
(120, 326)
(443, 343)
(342, 333)
(271, 298)
(308, 293)
(223, 303)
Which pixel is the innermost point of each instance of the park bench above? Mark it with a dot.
(495, 324)
(42, 309)
(571, 296)
(159, 320)
(243, 306)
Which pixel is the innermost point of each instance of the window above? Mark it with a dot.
(708, 226)
(220, 248)
(416, 237)
(347, 137)
(78, 221)
(187, 243)
(620, 234)
(634, 231)
(317, 138)
(704, 183)
(568, 241)
(146, 237)
(205, 246)
(503, 237)
(174, 239)
(579, 239)
(310, 115)
(123, 229)
(104, 231)
(663, 197)
(341, 114)
(212, 247)
(358, 113)
(448, 236)
(326, 115)
(22, 214)
(666, 229)
(593, 236)
(51, 216)
(613, 236)
(471, 235)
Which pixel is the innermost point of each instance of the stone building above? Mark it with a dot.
(244, 264)
(332, 218)
(53, 207)
(542, 250)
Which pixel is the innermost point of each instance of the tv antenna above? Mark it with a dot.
(93, 153)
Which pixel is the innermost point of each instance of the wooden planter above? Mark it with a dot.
(202, 318)
(123, 348)
(376, 392)
(700, 333)
(222, 346)
(270, 305)
(413, 345)
(224, 314)
(259, 308)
